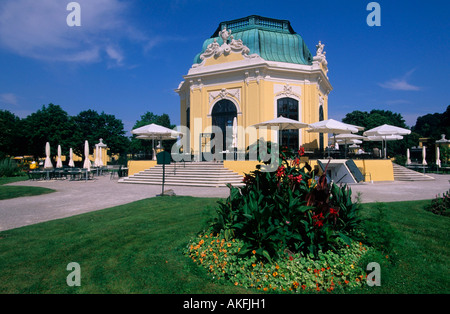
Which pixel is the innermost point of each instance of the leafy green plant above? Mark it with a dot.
(287, 210)
(440, 205)
(9, 168)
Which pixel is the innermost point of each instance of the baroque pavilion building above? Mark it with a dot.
(254, 69)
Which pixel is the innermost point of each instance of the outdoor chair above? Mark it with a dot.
(74, 173)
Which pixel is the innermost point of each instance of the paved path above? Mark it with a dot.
(77, 197)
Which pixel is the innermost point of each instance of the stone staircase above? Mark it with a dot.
(200, 174)
(404, 174)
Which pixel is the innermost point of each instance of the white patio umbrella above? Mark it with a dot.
(48, 162)
(71, 163)
(438, 157)
(384, 139)
(334, 127)
(155, 132)
(283, 124)
(58, 158)
(348, 139)
(385, 131)
(424, 154)
(87, 162)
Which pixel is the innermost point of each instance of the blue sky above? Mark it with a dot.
(127, 57)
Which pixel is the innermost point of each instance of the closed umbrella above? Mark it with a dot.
(87, 162)
(96, 160)
(235, 130)
(424, 154)
(58, 158)
(48, 163)
(408, 157)
(71, 163)
(438, 160)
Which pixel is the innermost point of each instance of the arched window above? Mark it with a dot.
(223, 114)
(288, 108)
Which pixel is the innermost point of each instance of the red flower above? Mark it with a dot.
(291, 258)
(301, 151)
(280, 171)
(334, 212)
(318, 220)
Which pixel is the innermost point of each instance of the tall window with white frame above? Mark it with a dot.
(288, 108)
(223, 114)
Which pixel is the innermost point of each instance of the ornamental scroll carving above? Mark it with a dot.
(229, 45)
(225, 93)
(287, 90)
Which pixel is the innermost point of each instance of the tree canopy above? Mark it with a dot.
(433, 125)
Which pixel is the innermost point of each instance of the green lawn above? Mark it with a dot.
(137, 248)
(10, 191)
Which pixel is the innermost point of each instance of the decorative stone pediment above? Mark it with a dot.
(225, 93)
(287, 90)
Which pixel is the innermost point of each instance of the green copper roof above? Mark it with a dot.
(271, 39)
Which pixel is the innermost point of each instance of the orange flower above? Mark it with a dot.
(254, 252)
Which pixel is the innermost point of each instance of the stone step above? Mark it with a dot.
(404, 174)
(177, 183)
(203, 174)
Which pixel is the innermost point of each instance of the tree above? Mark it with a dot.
(49, 124)
(11, 142)
(91, 126)
(433, 125)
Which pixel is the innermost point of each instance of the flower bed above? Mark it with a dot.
(285, 230)
(331, 271)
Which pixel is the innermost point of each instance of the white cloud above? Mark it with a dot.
(38, 29)
(401, 83)
(8, 98)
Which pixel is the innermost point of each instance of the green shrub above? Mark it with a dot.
(287, 209)
(440, 205)
(9, 168)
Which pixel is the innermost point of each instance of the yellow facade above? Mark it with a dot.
(254, 85)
